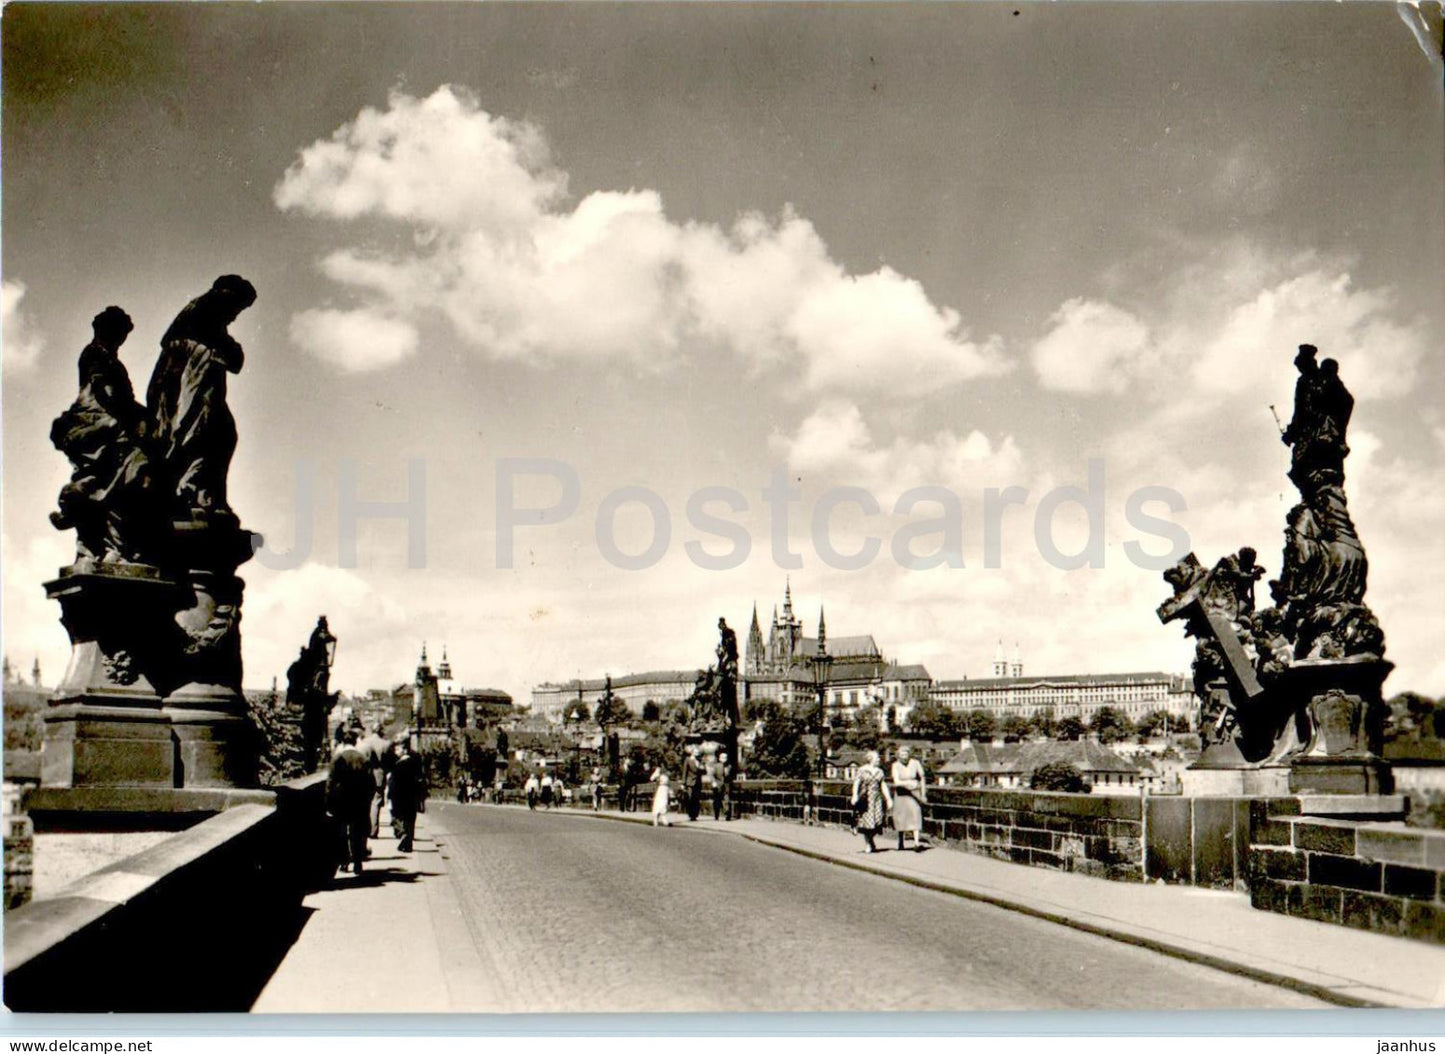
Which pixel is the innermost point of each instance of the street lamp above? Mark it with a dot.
(821, 662)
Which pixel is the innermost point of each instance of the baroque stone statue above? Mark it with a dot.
(1299, 681)
(112, 497)
(152, 603)
(187, 397)
(308, 685)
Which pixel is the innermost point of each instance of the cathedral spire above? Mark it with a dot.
(822, 632)
(788, 598)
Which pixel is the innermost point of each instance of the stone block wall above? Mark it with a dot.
(1098, 835)
(1384, 877)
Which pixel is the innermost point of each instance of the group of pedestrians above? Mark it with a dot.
(543, 789)
(703, 778)
(365, 772)
(903, 792)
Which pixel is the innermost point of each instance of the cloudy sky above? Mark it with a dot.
(687, 247)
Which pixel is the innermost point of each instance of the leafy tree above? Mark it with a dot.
(865, 734)
(1111, 725)
(277, 726)
(1071, 728)
(1059, 776)
(1412, 715)
(1046, 722)
(779, 749)
(891, 717)
(651, 713)
(979, 724)
(1016, 727)
(1152, 724)
(576, 713)
(934, 721)
(610, 711)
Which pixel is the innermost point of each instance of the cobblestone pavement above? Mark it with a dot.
(571, 913)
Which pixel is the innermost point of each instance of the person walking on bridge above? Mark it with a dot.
(661, 798)
(693, 771)
(408, 796)
(349, 790)
(910, 794)
(871, 799)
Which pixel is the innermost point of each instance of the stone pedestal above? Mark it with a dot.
(1258, 781)
(105, 726)
(151, 697)
(1343, 699)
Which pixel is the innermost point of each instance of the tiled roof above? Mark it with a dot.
(1024, 758)
(909, 672)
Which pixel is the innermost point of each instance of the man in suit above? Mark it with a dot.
(692, 774)
(722, 788)
(378, 753)
(408, 793)
(349, 790)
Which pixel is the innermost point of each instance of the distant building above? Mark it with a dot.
(636, 690)
(1070, 695)
(439, 703)
(1013, 765)
(788, 667)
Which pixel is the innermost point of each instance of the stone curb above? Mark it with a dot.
(1318, 989)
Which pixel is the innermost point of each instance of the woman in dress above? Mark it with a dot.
(871, 799)
(910, 792)
(660, 799)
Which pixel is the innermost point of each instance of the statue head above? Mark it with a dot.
(1330, 368)
(1305, 359)
(230, 295)
(112, 326)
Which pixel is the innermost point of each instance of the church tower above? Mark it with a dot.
(753, 657)
(1016, 668)
(1000, 664)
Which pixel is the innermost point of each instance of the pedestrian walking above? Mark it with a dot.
(693, 772)
(377, 751)
(624, 786)
(533, 790)
(910, 794)
(871, 800)
(597, 790)
(661, 798)
(349, 790)
(408, 796)
(722, 788)
(808, 801)
(548, 789)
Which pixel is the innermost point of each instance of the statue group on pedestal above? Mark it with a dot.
(1302, 675)
(713, 705)
(147, 497)
(137, 469)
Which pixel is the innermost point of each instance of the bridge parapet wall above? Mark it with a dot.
(1380, 876)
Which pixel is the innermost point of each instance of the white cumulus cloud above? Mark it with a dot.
(22, 344)
(522, 274)
(1091, 346)
(356, 340)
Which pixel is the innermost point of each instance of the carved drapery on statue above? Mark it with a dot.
(152, 603)
(1299, 681)
(111, 497)
(187, 397)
